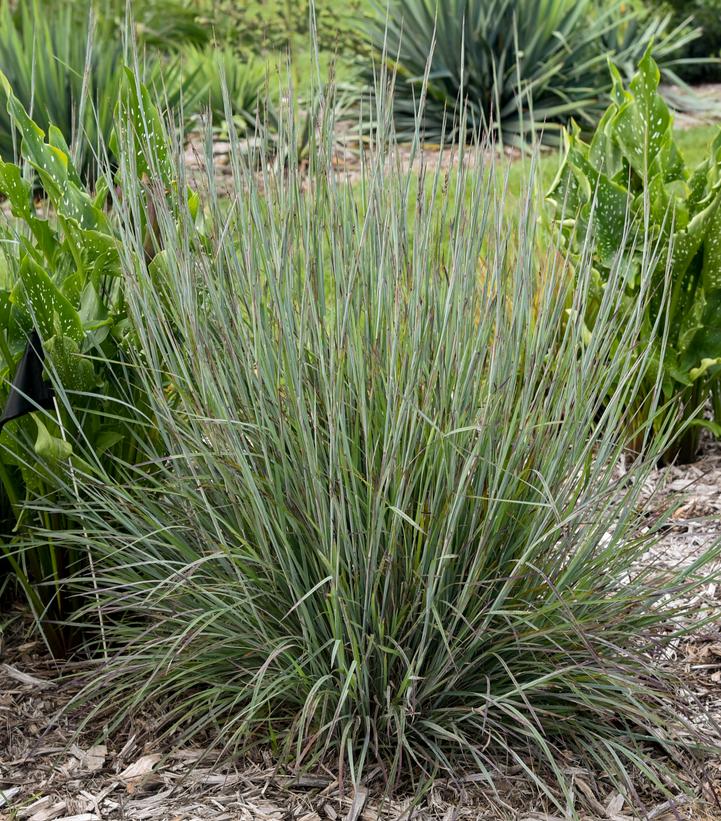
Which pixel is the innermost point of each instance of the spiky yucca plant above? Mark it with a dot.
(223, 75)
(519, 67)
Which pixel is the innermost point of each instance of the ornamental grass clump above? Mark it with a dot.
(387, 523)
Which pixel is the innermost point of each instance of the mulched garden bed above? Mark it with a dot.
(51, 770)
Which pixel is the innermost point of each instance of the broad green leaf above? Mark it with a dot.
(5, 308)
(707, 424)
(704, 348)
(688, 242)
(712, 253)
(609, 208)
(50, 448)
(105, 440)
(704, 367)
(74, 371)
(674, 167)
(666, 203)
(643, 124)
(689, 314)
(72, 286)
(91, 308)
(19, 325)
(699, 187)
(19, 194)
(101, 250)
(193, 204)
(618, 93)
(53, 165)
(44, 302)
(570, 188)
(138, 111)
(101, 193)
(604, 152)
(57, 140)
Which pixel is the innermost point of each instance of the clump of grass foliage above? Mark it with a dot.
(382, 522)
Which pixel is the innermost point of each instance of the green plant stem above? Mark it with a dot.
(5, 350)
(50, 635)
(8, 484)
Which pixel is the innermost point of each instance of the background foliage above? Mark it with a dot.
(706, 14)
(65, 64)
(62, 278)
(521, 67)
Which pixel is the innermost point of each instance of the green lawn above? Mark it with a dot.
(695, 142)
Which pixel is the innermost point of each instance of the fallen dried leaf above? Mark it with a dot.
(591, 799)
(141, 767)
(48, 813)
(140, 772)
(359, 800)
(85, 816)
(615, 805)
(94, 758)
(542, 817)
(668, 807)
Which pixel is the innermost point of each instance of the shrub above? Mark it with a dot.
(385, 525)
(167, 25)
(275, 25)
(703, 64)
(631, 178)
(633, 28)
(521, 66)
